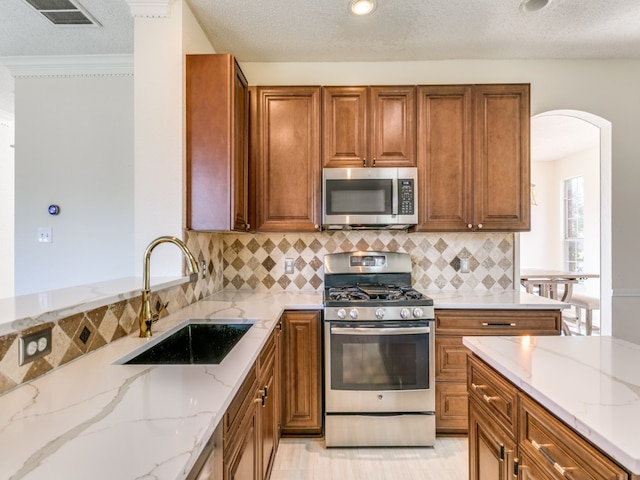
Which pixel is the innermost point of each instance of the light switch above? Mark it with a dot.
(45, 235)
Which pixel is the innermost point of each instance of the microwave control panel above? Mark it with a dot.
(407, 196)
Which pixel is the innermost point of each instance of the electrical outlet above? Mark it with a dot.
(34, 345)
(288, 266)
(464, 265)
(203, 268)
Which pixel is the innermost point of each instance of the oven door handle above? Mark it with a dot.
(380, 331)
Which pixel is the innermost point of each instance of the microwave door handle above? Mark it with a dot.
(394, 196)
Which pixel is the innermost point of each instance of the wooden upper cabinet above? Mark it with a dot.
(369, 126)
(286, 123)
(502, 175)
(217, 143)
(473, 158)
(445, 169)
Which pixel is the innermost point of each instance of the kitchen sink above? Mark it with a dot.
(197, 343)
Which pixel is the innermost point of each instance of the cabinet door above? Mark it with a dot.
(269, 410)
(501, 163)
(491, 450)
(240, 176)
(445, 171)
(344, 122)
(241, 453)
(216, 143)
(302, 373)
(288, 160)
(393, 127)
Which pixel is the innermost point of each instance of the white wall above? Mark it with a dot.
(542, 246)
(160, 45)
(6, 205)
(74, 148)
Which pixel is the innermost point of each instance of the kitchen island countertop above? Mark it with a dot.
(590, 383)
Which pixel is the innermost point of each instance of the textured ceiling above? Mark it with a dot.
(311, 30)
(317, 31)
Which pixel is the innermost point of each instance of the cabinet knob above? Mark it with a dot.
(469, 226)
(317, 227)
(247, 227)
(479, 225)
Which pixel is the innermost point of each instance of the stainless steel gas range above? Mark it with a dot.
(379, 353)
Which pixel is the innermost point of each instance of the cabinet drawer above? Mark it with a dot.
(267, 356)
(496, 394)
(556, 449)
(451, 407)
(241, 402)
(498, 322)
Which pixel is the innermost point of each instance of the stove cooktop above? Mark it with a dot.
(375, 295)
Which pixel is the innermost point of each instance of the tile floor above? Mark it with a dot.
(308, 459)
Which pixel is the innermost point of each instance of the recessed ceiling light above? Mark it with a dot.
(362, 7)
(533, 5)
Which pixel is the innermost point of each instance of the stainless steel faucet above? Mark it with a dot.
(146, 318)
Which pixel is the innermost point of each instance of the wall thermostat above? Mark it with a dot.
(54, 209)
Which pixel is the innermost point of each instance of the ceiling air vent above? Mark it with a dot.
(64, 12)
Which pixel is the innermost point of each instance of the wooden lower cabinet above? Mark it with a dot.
(492, 450)
(512, 436)
(269, 406)
(251, 425)
(451, 354)
(302, 373)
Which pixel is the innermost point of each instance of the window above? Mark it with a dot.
(574, 224)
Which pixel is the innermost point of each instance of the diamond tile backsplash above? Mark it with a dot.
(256, 262)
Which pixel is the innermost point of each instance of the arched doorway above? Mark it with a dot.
(559, 124)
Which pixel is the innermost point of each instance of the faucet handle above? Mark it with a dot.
(159, 309)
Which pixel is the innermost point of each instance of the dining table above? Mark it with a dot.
(545, 282)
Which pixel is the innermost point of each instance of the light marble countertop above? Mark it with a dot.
(94, 419)
(591, 383)
(23, 311)
(505, 299)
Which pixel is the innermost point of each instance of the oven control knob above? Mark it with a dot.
(417, 312)
(341, 313)
(379, 313)
(353, 313)
(404, 313)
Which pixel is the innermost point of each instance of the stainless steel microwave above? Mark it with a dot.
(375, 198)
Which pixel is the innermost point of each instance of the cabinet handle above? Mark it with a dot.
(556, 466)
(502, 453)
(493, 324)
(364, 162)
(486, 397)
(247, 227)
(516, 467)
(374, 162)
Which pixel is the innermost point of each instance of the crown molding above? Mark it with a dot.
(69, 65)
(149, 8)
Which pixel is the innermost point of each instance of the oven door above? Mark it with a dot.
(379, 367)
